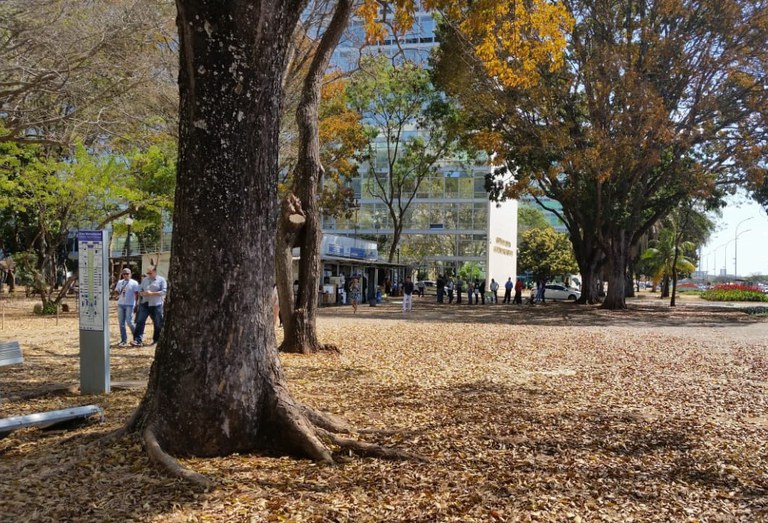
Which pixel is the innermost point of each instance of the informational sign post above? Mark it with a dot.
(93, 248)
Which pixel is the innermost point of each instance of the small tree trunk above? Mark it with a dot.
(292, 220)
(396, 235)
(674, 277)
(300, 333)
(664, 287)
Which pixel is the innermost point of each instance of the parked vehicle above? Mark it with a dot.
(556, 291)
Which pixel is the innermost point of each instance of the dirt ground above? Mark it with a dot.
(524, 413)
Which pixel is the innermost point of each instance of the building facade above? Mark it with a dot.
(450, 221)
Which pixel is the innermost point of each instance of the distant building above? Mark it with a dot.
(451, 212)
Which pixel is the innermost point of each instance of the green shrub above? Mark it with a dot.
(45, 310)
(734, 293)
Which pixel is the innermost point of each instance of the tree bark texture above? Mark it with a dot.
(619, 251)
(589, 259)
(397, 233)
(292, 219)
(216, 385)
(300, 333)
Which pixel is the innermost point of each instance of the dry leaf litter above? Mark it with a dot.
(553, 413)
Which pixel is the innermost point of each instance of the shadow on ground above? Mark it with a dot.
(638, 314)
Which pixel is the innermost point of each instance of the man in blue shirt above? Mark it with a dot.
(153, 291)
(508, 290)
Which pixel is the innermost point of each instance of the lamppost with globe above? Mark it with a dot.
(129, 223)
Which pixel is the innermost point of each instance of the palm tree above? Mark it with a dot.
(666, 259)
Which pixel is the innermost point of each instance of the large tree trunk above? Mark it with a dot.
(300, 333)
(619, 251)
(589, 259)
(216, 385)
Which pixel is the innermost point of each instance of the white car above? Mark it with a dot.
(556, 291)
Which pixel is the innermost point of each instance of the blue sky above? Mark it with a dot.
(752, 254)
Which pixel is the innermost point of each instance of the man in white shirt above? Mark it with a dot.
(127, 290)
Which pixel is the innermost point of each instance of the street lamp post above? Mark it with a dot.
(377, 226)
(736, 246)
(128, 222)
(725, 258)
(356, 207)
(715, 258)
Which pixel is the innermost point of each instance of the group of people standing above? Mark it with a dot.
(449, 289)
(518, 288)
(145, 300)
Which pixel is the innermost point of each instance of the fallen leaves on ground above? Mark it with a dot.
(557, 413)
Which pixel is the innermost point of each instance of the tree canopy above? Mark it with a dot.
(657, 103)
(545, 253)
(408, 125)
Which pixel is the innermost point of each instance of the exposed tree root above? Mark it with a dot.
(300, 430)
(307, 348)
(366, 449)
(339, 425)
(329, 347)
(169, 463)
(325, 420)
(111, 437)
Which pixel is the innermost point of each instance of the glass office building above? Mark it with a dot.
(450, 221)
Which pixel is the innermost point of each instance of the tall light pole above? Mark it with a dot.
(715, 256)
(736, 246)
(128, 222)
(725, 258)
(705, 259)
(377, 226)
(356, 206)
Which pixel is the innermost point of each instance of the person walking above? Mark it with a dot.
(354, 294)
(449, 289)
(152, 293)
(127, 290)
(495, 291)
(518, 292)
(508, 290)
(408, 295)
(421, 286)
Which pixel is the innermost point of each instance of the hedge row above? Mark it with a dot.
(734, 293)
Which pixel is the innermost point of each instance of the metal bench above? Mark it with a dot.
(10, 354)
(53, 419)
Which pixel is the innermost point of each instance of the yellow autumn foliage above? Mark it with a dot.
(514, 40)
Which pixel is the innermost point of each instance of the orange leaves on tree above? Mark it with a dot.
(514, 40)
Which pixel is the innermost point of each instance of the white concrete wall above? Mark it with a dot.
(502, 242)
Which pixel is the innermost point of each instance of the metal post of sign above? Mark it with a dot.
(93, 249)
